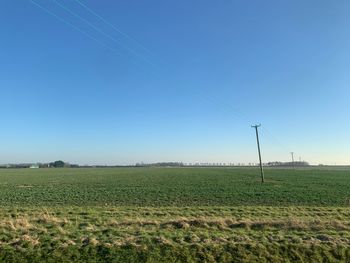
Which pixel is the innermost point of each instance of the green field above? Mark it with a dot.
(173, 187)
(174, 215)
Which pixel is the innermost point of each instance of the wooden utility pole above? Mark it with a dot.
(258, 143)
(292, 153)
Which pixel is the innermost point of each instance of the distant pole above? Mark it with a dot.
(292, 153)
(258, 143)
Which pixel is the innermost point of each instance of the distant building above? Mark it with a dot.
(34, 166)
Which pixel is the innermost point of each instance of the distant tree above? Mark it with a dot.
(57, 164)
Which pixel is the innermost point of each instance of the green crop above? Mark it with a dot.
(174, 215)
(173, 187)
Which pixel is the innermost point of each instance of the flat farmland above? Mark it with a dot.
(174, 215)
(173, 187)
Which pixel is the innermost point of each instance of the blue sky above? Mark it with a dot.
(182, 82)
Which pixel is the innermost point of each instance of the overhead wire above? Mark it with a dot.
(221, 107)
(113, 26)
(73, 26)
(113, 50)
(282, 145)
(225, 108)
(101, 31)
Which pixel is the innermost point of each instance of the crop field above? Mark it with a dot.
(174, 215)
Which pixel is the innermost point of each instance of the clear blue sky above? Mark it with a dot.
(188, 89)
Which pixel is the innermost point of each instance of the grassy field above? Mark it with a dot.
(173, 187)
(174, 215)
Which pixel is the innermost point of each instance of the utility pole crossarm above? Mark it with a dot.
(258, 143)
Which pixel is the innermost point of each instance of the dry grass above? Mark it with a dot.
(172, 227)
(17, 224)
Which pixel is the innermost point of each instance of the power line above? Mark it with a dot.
(228, 108)
(245, 117)
(221, 107)
(238, 113)
(113, 26)
(101, 31)
(73, 26)
(282, 145)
